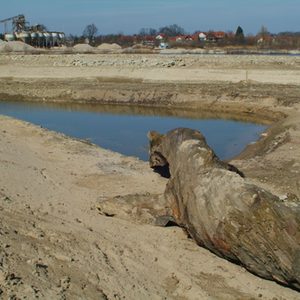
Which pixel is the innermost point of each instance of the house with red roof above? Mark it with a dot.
(215, 36)
(161, 37)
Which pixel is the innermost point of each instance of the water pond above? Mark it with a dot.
(124, 129)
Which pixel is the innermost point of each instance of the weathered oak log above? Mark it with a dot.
(225, 213)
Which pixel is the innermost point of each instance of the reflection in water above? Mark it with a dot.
(124, 128)
(124, 109)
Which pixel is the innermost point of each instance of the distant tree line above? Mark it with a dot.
(263, 39)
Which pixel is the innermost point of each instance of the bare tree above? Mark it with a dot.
(147, 31)
(263, 32)
(172, 30)
(90, 32)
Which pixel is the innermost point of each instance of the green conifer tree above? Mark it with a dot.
(239, 35)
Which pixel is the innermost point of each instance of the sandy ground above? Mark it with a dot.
(168, 68)
(55, 244)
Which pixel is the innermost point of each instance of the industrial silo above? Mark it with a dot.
(9, 37)
(62, 38)
(55, 38)
(48, 39)
(23, 36)
(34, 39)
(41, 39)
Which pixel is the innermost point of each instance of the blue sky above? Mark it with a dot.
(129, 16)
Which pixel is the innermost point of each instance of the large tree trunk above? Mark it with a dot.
(223, 212)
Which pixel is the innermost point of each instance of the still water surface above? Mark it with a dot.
(124, 129)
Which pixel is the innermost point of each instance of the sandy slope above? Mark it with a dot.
(54, 244)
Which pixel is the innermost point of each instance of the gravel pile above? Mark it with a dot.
(141, 62)
(112, 47)
(83, 48)
(170, 61)
(15, 46)
(144, 61)
(3, 46)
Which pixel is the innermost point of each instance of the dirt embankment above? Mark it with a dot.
(52, 184)
(55, 243)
